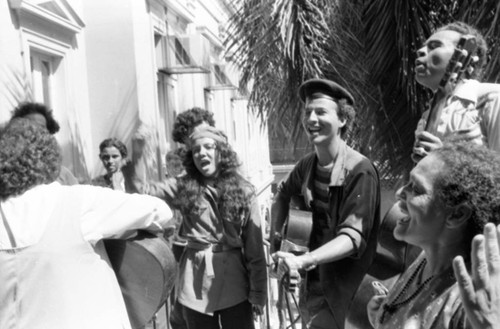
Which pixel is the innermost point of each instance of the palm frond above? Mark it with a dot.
(369, 46)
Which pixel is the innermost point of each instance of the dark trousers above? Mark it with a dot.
(239, 316)
(176, 316)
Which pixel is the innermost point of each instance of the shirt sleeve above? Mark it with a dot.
(361, 203)
(253, 246)
(164, 190)
(107, 213)
(491, 119)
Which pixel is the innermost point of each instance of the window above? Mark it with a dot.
(220, 76)
(181, 55)
(41, 75)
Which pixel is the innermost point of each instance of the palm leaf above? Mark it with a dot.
(368, 46)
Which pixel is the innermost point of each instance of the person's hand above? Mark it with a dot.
(117, 181)
(481, 292)
(376, 302)
(288, 268)
(139, 141)
(257, 310)
(425, 142)
(290, 262)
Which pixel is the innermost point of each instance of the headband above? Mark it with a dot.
(207, 132)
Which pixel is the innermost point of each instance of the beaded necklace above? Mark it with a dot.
(392, 307)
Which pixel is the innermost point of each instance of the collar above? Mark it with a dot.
(337, 177)
(466, 90)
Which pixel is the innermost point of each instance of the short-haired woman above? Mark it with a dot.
(452, 193)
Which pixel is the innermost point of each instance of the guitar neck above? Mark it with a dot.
(435, 112)
(459, 61)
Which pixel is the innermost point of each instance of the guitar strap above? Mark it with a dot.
(8, 229)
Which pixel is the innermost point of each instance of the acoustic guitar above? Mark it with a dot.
(296, 232)
(295, 236)
(146, 269)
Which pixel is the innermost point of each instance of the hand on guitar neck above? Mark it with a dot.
(425, 142)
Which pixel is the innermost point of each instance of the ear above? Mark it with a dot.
(342, 122)
(459, 216)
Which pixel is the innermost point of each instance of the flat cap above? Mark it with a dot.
(325, 87)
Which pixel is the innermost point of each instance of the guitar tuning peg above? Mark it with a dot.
(470, 69)
(464, 52)
(453, 76)
(459, 65)
(475, 58)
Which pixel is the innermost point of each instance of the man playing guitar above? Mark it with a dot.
(450, 63)
(469, 109)
(341, 188)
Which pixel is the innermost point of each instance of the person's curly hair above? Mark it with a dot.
(235, 193)
(188, 120)
(27, 108)
(29, 156)
(345, 112)
(481, 51)
(116, 143)
(472, 178)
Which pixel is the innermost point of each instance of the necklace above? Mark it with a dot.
(392, 307)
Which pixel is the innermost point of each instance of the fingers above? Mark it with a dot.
(426, 147)
(281, 255)
(257, 309)
(427, 137)
(464, 281)
(373, 306)
(479, 267)
(492, 249)
(379, 288)
(426, 142)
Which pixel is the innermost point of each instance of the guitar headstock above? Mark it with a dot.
(460, 61)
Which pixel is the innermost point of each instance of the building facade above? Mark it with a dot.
(115, 68)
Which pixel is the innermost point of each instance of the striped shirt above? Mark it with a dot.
(321, 193)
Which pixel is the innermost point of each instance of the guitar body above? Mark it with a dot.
(146, 271)
(297, 231)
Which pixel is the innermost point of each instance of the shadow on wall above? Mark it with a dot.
(15, 87)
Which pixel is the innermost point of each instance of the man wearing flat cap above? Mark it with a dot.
(340, 187)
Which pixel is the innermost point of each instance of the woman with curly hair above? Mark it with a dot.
(452, 194)
(55, 272)
(222, 277)
(40, 114)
